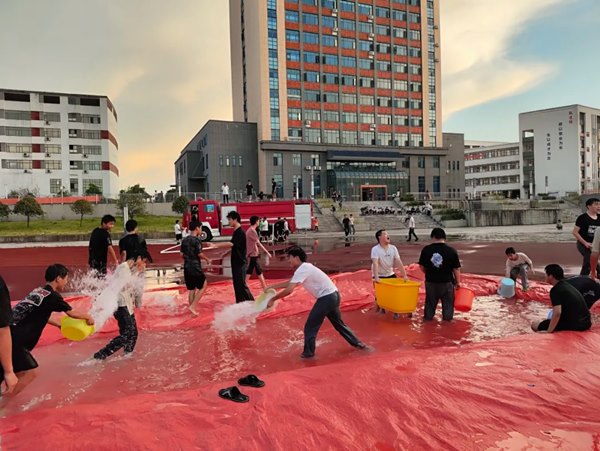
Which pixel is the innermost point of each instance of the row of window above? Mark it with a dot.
(295, 114)
(50, 132)
(20, 115)
(352, 99)
(50, 149)
(56, 185)
(352, 6)
(492, 167)
(293, 55)
(497, 153)
(350, 43)
(51, 164)
(350, 80)
(231, 161)
(493, 180)
(346, 24)
(356, 137)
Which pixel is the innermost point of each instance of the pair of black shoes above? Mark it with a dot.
(234, 394)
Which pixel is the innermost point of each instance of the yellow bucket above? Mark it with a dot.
(75, 329)
(261, 301)
(396, 295)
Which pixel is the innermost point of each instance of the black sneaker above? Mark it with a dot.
(361, 345)
(306, 356)
(99, 356)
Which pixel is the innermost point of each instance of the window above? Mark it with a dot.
(399, 15)
(293, 74)
(415, 52)
(15, 131)
(421, 183)
(348, 80)
(384, 139)
(329, 41)
(436, 183)
(331, 116)
(367, 100)
(415, 35)
(330, 60)
(329, 22)
(415, 69)
(347, 24)
(436, 162)
(328, 4)
(294, 114)
(401, 120)
(421, 162)
(291, 16)
(331, 79)
(366, 82)
(311, 77)
(55, 117)
(365, 9)
(385, 119)
(348, 61)
(227, 161)
(401, 139)
(292, 35)
(348, 43)
(55, 148)
(400, 85)
(400, 50)
(312, 115)
(312, 96)
(312, 136)
(90, 134)
(416, 121)
(310, 2)
(383, 48)
(365, 46)
(384, 66)
(348, 117)
(296, 159)
(331, 136)
(310, 38)
(400, 103)
(331, 97)
(401, 33)
(277, 159)
(346, 5)
(315, 159)
(349, 137)
(17, 148)
(349, 99)
(311, 57)
(55, 133)
(295, 132)
(384, 83)
(367, 118)
(365, 27)
(416, 140)
(382, 30)
(384, 101)
(382, 12)
(366, 138)
(293, 93)
(292, 55)
(414, 18)
(56, 186)
(366, 64)
(310, 19)
(401, 68)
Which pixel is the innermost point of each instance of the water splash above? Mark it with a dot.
(236, 317)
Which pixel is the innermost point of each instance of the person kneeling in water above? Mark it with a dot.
(130, 298)
(318, 284)
(569, 311)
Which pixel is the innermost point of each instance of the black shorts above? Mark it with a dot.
(194, 279)
(178, 236)
(578, 327)
(254, 264)
(22, 360)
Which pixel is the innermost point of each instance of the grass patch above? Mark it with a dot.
(71, 226)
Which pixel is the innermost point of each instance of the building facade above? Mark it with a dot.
(53, 143)
(559, 147)
(493, 170)
(355, 82)
(221, 152)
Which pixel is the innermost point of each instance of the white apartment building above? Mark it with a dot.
(493, 169)
(560, 150)
(55, 142)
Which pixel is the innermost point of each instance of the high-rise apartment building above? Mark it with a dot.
(560, 149)
(346, 91)
(52, 143)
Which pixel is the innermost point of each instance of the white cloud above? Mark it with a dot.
(476, 37)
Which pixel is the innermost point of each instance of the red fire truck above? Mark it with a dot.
(213, 215)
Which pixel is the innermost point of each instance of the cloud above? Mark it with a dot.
(476, 38)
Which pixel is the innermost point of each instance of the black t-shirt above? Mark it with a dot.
(133, 245)
(273, 185)
(439, 261)
(98, 248)
(588, 287)
(238, 251)
(191, 246)
(346, 223)
(6, 317)
(31, 315)
(574, 311)
(587, 226)
(249, 189)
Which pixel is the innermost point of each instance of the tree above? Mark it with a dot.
(82, 207)
(28, 207)
(93, 190)
(137, 189)
(4, 211)
(135, 203)
(180, 204)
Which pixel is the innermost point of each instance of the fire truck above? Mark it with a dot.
(213, 215)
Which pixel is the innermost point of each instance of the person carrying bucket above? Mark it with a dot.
(385, 259)
(441, 266)
(518, 264)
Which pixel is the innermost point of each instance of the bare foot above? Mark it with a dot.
(193, 310)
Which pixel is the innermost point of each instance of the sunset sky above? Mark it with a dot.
(165, 65)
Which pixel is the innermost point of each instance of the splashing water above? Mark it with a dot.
(235, 317)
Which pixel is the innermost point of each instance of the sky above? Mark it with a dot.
(166, 65)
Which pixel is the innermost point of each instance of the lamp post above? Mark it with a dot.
(312, 168)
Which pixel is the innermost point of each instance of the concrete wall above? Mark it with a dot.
(56, 212)
(512, 217)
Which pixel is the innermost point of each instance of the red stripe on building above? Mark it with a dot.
(105, 134)
(35, 115)
(35, 132)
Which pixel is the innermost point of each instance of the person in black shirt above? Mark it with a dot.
(441, 266)
(588, 287)
(131, 245)
(569, 311)
(273, 188)
(585, 227)
(101, 246)
(249, 189)
(31, 315)
(346, 223)
(8, 378)
(238, 257)
(195, 280)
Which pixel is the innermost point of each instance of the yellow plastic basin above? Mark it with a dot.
(396, 295)
(75, 329)
(260, 303)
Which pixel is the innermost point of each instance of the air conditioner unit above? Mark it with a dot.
(335, 30)
(373, 126)
(48, 171)
(47, 122)
(371, 17)
(85, 171)
(26, 155)
(27, 171)
(436, 45)
(85, 155)
(435, 27)
(308, 168)
(371, 36)
(334, 12)
(308, 123)
(47, 138)
(371, 55)
(317, 168)
(47, 154)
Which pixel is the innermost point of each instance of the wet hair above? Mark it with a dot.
(510, 251)
(143, 254)
(438, 233)
(591, 200)
(297, 251)
(131, 225)
(378, 234)
(55, 271)
(254, 220)
(107, 218)
(234, 215)
(555, 271)
(177, 221)
(193, 225)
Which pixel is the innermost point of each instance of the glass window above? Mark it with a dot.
(348, 43)
(347, 24)
(312, 115)
(312, 96)
(348, 80)
(366, 64)
(293, 74)
(311, 57)
(330, 60)
(365, 9)
(399, 15)
(331, 116)
(292, 35)
(421, 162)
(311, 77)
(436, 162)
(349, 137)
(312, 135)
(310, 38)
(331, 97)
(329, 41)
(348, 61)
(365, 27)
(277, 159)
(331, 136)
(382, 30)
(291, 16)
(293, 93)
(349, 99)
(346, 5)
(366, 138)
(382, 12)
(310, 19)
(331, 79)
(421, 183)
(294, 114)
(329, 22)
(365, 46)
(348, 117)
(367, 100)
(296, 159)
(292, 55)
(384, 83)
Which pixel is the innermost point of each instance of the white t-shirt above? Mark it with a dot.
(522, 259)
(385, 258)
(315, 281)
(225, 190)
(264, 226)
(411, 223)
(177, 229)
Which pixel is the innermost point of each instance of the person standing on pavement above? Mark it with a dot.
(239, 263)
(100, 246)
(384, 260)
(327, 305)
(411, 228)
(273, 188)
(346, 224)
(441, 266)
(225, 192)
(585, 227)
(352, 229)
(249, 190)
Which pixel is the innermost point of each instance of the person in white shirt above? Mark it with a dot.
(264, 229)
(319, 285)
(411, 228)
(518, 264)
(225, 192)
(178, 234)
(385, 259)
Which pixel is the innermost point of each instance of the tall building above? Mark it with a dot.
(493, 169)
(560, 150)
(52, 143)
(344, 93)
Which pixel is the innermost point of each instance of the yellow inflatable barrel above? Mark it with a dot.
(396, 295)
(75, 329)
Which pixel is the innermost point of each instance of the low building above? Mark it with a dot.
(55, 143)
(493, 170)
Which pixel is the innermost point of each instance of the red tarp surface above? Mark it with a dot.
(483, 381)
